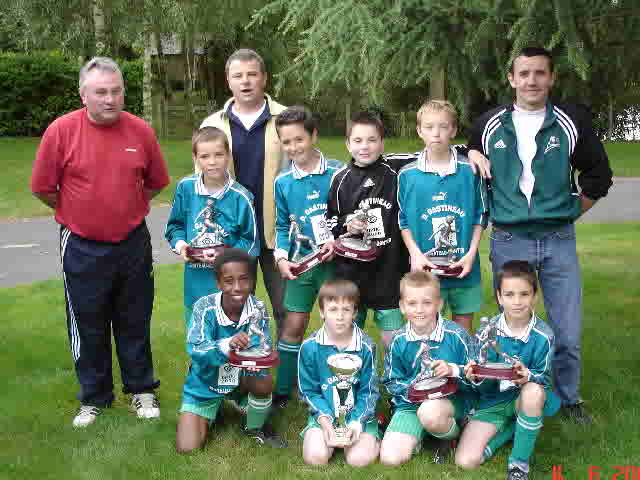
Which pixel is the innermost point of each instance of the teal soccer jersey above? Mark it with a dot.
(427, 201)
(303, 195)
(235, 216)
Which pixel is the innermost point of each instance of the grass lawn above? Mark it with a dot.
(18, 153)
(38, 442)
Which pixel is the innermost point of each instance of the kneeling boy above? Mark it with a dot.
(338, 301)
(420, 303)
(219, 323)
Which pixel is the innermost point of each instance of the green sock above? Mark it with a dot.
(453, 432)
(498, 440)
(257, 412)
(288, 368)
(527, 430)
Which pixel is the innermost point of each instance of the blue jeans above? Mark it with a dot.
(553, 255)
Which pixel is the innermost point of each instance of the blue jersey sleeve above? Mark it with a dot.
(402, 202)
(367, 392)
(248, 234)
(541, 361)
(203, 342)
(397, 375)
(282, 220)
(481, 214)
(176, 224)
(310, 383)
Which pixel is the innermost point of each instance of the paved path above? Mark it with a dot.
(29, 247)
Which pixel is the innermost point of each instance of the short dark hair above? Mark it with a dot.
(209, 134)
(338, 288)
(517, 269)
(233, 255)
(533, 52)
(245, 55)
(366, 118)
(297, 114)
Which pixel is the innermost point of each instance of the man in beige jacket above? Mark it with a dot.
(248, 119)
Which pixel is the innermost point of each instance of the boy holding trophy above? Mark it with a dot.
(337, 378)
(210, 211)
(223, 324)
(443, 212)
(363, 214)
(303, 241)
(510, 409)
(423, 373)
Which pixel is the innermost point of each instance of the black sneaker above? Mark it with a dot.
(577, 413)
(514, 473)
(266, 436)
(281, 401)
(443, 449)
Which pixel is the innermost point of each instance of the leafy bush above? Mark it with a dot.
(36, 89)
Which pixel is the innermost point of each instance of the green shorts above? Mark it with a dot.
(301, 293)
(462, 300)
(387, 320)
(500, 415)
(371, 427)
(407, 421)
(208, 409)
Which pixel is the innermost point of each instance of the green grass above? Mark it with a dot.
(37, 440)
(16, 200)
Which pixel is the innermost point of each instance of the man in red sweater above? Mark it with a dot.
(98, 167)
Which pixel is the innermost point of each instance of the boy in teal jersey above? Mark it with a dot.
(220, 323)
(233, 207)
(338, 301)
(301, 192)
(420, 303)
(442, 207)
(513, 409)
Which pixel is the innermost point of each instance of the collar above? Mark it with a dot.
(502, 325)
(437, 335)
(298, 173)
(274, 107)
(249, 308)
(355, 345)
(202, 190)
(427, 167)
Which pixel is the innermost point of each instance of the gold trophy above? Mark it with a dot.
(345, 366)
(426, 386)
(486, 339)
(259, 353)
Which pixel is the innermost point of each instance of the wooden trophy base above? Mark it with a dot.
(246, 361)
(355, 249)
(443, 268)
(198, 253)
(495, 370)
(432, 388)
(307, 262)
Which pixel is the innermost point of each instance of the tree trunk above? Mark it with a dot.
(610, 136)
(147, 82)
(98, 26)
(437, 85)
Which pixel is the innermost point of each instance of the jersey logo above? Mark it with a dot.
(130, 150)
(500, 144)
(440, 197)
(368, 183)
(312, 196)
(554, 142)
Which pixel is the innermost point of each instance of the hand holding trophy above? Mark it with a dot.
(486, 341)
(209, 241)
(442, 235)
(306, 262)
(259, 353)
(348, 245)
(426, 386)
(345, 366)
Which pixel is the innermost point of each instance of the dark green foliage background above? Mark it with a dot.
(36, 89)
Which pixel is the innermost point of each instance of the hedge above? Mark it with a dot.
(36, 89)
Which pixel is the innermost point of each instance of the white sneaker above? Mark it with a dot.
(86, 415)
(146, 405)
